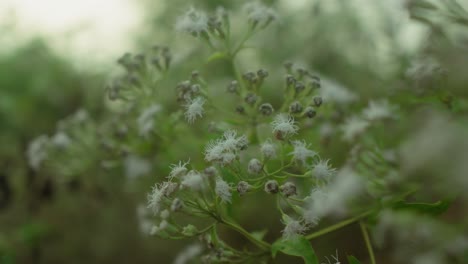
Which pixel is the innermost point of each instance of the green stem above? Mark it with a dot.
(338, 225)
(260, 243)
(365, 234)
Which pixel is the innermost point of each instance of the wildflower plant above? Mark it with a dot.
(258, 150)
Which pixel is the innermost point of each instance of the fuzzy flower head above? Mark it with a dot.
(37, 151)
(378, 110)
(268, 149)
(146, 119)
(284, 126)
(322, 170)
(194, 109)
(157, 194)
(178, 170)
(224, 151)
(353, 127)
(223, 190)
(301, 151)
(193, 22)
(293, 228)
(193, 180)
(259, 14)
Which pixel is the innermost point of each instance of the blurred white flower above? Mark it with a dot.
(192, 22)
(136, 166)
(268, 149)
(37, 151)
(193, 180)
(301, 151)
(223, 190)
(146, 119)
(188, 254)
(353, 127)
(322, 170)
(378, 110)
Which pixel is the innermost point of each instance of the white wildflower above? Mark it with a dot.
(224, 150)
(259, 13)
(284, 126)
(193, 180)
(353, 127)
(37, 151)
(293, 228)
(334, 198)
(136, 166)
(146, 119)
(254, 166)
(322, 170)
(188, 254)
(155, 197)
(332, 91)
(232, 142)
(164, 214)
(423, 68)
(378, 110)
(301, 152)
(178, 170)
(194, 109)
(192, 22)
(223, 190)
(144, 223)
(61, 140)
(158, 192)
(268, 149)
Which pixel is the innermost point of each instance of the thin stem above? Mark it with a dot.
(365, 234)
(260, 243)
(338, 225)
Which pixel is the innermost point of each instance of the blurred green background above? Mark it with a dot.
(367, 46)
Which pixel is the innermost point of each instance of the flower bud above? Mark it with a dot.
(255, 166)
(243, 187)
(271, 186)
(251, 98)
(262, 73)
(310, 112)
(318, 101)
(299, 87)
(290, 80)
(288, 65)
(266, 109)
(233, 87)
(288, 189)
(295, 107)
(240, 109)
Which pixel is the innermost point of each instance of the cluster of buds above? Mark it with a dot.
(140, 72)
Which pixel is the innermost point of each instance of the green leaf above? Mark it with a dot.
(436, 208)
(216, 56)
(298, 246)
(353, 260)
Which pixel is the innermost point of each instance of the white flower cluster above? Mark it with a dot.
(193, 22)
(333, 198)
(146, 119)
(224, 151)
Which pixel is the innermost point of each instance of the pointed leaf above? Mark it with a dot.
(298, 246)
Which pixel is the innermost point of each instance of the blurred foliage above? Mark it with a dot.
(77, 210)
